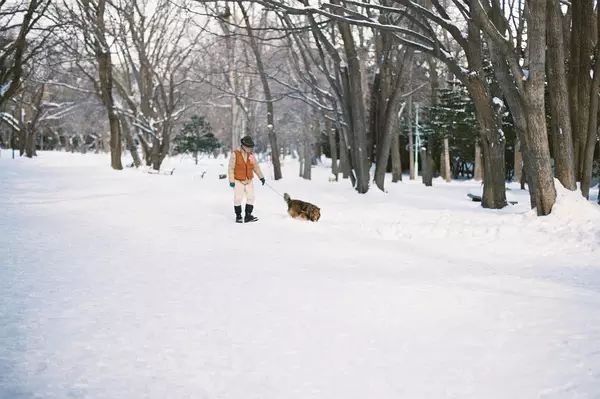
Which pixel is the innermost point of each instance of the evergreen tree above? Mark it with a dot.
(454, 118)
(196, 137)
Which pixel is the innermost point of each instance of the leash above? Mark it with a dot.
(272, 189)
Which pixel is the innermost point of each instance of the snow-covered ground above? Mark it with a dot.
(131, 285)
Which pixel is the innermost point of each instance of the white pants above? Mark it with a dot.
(240, 190)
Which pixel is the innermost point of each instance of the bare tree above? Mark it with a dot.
(266, 91)
(105, 73)
(592, 114)
(387, 92)
(581, 90)
(88, 17)
(18, 50)
(559, 100)
(524, 92)
(155, 46)
(427, 41)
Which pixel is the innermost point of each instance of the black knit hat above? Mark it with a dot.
(247, 141)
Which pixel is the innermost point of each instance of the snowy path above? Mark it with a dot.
(129, 285)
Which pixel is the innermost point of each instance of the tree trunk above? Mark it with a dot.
(585, 81)
(13, 79)
(273, 142)
(492, 139)
(165, 142)
(536, 144)
(356, 107)
(267, 93)
(301, 160)
(492, 146)
(11, 140)
(103, 58)
(22, 140)
(146, 150)
(345, 158)
(579, 78)
(518, 161)
(442, 165)
(30, 140)
(526, 104)
(130, 143)
(427, 168)
(434, 80)
(592, 125)
(559, 100)
(385, 144)
(494, 189)
(236, 131)
(445, 162)
(396, 160)
(523, 179)
(573, 81)
(377, 101)
(155, 153)
(332, 149)
(231, 75)
(411, 144)
(591, 142)
(344, 162)
(307, 160)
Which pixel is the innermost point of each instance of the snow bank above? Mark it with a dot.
(573, 219)
(573, 209)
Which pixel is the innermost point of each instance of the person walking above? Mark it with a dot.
(242, 167)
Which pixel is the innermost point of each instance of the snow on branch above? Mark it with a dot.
(69, 107)
(66, 85)
(10, 120)
(4, 88)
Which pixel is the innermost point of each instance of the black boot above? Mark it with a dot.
(238, 213)
(249, 217)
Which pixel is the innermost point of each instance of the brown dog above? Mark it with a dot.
(302, 210)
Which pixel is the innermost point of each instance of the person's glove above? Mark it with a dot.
(262, 181)
(232, 185)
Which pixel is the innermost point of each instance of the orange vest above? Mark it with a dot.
(244, 170)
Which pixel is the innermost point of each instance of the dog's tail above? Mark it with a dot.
(286, 197)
